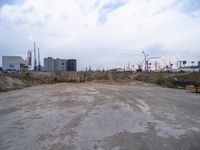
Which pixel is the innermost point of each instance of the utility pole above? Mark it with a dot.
(156, 65)
(145, 60)
(180, 64)
(35, 59)
(192, 62)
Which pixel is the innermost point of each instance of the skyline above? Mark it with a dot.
(108, 32)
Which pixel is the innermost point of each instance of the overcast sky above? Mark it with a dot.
(102, 32)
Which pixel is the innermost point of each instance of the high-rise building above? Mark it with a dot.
(51, 64)
(60, 64)
(71, 65)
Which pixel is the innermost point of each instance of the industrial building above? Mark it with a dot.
(191, 68)
(182, 69)
(51, 64)
(13, 63)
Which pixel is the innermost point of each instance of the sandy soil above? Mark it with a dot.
(99, 116)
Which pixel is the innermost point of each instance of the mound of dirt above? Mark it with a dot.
(8, 83)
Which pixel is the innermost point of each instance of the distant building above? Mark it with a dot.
(49, 64)
(60, 64)
(71, 65)
(191, 68)
(52, 65)
(182, 69)
(116, 70)
(12, 63)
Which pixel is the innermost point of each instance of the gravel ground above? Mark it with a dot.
(96, 116)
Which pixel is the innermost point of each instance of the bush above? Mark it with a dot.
(160, 79)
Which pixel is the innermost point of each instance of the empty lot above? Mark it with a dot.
(99, 116)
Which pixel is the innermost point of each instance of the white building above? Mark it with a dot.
(12, 63)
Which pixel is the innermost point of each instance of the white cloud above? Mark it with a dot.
(99, 31)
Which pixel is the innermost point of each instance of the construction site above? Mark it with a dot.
(95, 110)
(99, 75)
(99, 115)
(56, 107)
(19, 73)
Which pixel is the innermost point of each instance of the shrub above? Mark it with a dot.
(160, 79)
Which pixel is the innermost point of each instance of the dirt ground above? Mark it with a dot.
(97, 116)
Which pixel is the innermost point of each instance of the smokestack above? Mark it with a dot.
(35, 59)
(39, 67)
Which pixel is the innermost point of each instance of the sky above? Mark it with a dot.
(102, 33)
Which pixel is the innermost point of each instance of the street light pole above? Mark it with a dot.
(145, 60)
